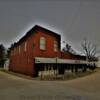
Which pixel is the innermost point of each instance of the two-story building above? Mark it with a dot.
(40, 48)
(37, 43)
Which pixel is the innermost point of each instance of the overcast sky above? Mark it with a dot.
(73, 19)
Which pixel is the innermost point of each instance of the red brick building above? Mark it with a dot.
(38, 48)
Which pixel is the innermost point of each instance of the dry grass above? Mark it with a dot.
(67, 76)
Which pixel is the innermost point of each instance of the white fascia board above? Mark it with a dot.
(44, 60)
(51, 60)
(59, 61)
(70, 61)
(65, 61)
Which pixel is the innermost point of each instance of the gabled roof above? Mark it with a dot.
(36, 28)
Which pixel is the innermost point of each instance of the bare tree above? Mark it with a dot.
(68, 49)
(90, 50)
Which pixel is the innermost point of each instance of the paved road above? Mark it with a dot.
(16, 88)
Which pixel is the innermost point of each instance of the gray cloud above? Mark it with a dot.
(73, 19)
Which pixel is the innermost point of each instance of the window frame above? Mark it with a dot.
(42, 43)
(19, 48)
(55, 46)
(25, 46)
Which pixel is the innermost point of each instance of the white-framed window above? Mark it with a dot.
(19, 48)
(14, 50)
(25, 46)
(42, 43)
(55, 46)
(11, 52)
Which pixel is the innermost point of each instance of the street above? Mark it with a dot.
(17, 88)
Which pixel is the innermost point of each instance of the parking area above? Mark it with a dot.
(16, 88)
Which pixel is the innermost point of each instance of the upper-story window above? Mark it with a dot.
(11, 52)
(14, 50)
(19, 48)
(55, 46)
(25, 46)
(42, 43)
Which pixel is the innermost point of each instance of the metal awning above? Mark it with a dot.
(58, 60)
(44, 60)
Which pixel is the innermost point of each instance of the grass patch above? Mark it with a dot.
(67, 76)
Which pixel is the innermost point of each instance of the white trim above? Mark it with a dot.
(19, 48)
(25, 46)
(55, 46)
(44, 60)
(42, 43)
(59, 61)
